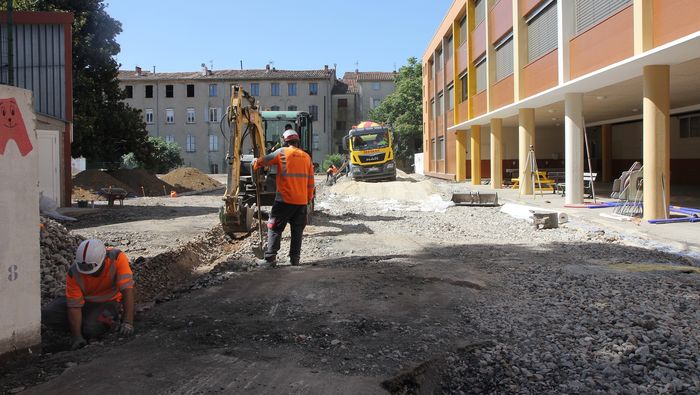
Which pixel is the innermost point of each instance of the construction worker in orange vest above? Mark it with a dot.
(99, 286)
(332, 170)
(295, 189)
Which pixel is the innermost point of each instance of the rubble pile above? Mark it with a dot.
(191, 179)
(58, 247)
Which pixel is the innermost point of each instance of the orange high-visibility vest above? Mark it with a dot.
(295, 174)
(114, 277)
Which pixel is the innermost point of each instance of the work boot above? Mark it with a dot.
(294, 261)
(268, 261)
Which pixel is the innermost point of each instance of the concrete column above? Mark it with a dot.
(573, 147)
(496, 153)
(519, 50)
(461, 156)
(606, 139)
(656, 124)
(526, 138)
(643, 15)
(476, 154)
(565, 13)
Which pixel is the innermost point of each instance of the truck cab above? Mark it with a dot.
(370, 152)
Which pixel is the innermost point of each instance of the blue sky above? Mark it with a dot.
(178, 35)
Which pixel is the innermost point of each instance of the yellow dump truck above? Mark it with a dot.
(370, 152)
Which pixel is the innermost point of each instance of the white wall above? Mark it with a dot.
(20, 295)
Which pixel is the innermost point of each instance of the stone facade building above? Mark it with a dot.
(188, 107)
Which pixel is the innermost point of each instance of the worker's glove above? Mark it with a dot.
(126, 329)
(78, 343)
(254, 164)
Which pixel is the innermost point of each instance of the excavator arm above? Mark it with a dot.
(245, 121)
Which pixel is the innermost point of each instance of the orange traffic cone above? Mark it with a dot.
(173, 194)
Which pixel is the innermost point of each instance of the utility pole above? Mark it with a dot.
(10, 45)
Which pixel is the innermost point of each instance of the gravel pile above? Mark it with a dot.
(58, 247)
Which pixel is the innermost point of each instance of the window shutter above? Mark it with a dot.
(479, 12)
(481, 77)
(504, 60)
(590, 12)
(542, 33)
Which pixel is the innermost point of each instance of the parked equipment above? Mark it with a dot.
(371, 153)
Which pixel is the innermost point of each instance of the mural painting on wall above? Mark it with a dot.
(12, 127)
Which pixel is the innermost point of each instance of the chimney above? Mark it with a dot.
(205, 71)
(267, 67)
(138, 71)
(325, 68)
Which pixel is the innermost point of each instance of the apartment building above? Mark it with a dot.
(502, 76)
(188, 107)
(354, 96)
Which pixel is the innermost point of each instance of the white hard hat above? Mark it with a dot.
(90, 256)
(289, 135)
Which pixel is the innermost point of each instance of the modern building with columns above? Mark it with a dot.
(500, 76)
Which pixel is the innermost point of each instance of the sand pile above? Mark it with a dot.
(88, 182)
(394, 190)
(190, 178)
(137, 178)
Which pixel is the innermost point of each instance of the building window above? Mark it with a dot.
(481, 75)
(504, 58)
(255, 89)
(149, 115)
(292, 89)
(213, 143)
(438, 104)
(129, 91)
(374, 102)
(432, 69)
(376, 86)
(169, 115)
(448, 49)
(190, 90)
(191, 143)
(313, 88)
(275, 108)
(433, 149)
(542, 32)
(340, 126)
(451, 98)
(438, 59)
(479, 11)
(149, 91)
(432, 108)
(213, 114)
(441, 149)
(190, 115)
(342, 103)
(313, 111)
(213, 90)
(170, 139)
(587, 13)
(213, 168)
(463, 31)
(169, 91)
(274, 89)
(292, 108)
(465, 87)
(690, 126)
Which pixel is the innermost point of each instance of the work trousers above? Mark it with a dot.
(280, 215)
(98, 318)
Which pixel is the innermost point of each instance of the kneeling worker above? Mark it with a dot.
(295, 189)
(99, 286)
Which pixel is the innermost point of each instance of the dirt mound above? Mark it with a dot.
(190, 178)
(137, 178)
(393, 190)
(88, 182)
(58, 247)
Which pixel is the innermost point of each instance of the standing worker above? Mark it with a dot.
(295, 189)
(99, 285)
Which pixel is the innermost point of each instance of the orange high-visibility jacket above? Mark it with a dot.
(295, 174)
(115, 276)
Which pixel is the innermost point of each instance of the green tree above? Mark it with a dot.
(403, 110)
(164, 156)
(104, 127)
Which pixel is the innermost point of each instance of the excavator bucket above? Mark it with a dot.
(488, 199)
(239, 224)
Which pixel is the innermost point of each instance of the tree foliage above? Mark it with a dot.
(104, 127)
(403, 110)
(164, 156)
(332, 159)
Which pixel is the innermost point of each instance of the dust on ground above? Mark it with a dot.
(190, 179)
(457, 301)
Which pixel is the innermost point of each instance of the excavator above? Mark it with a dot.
(254, 133)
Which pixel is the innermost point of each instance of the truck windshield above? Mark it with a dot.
(370, 141)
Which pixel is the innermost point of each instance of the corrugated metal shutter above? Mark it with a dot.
(479, 11)
(542, 33)
(481, 76)
(40, 65)
(504, 60)
(589, 12)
